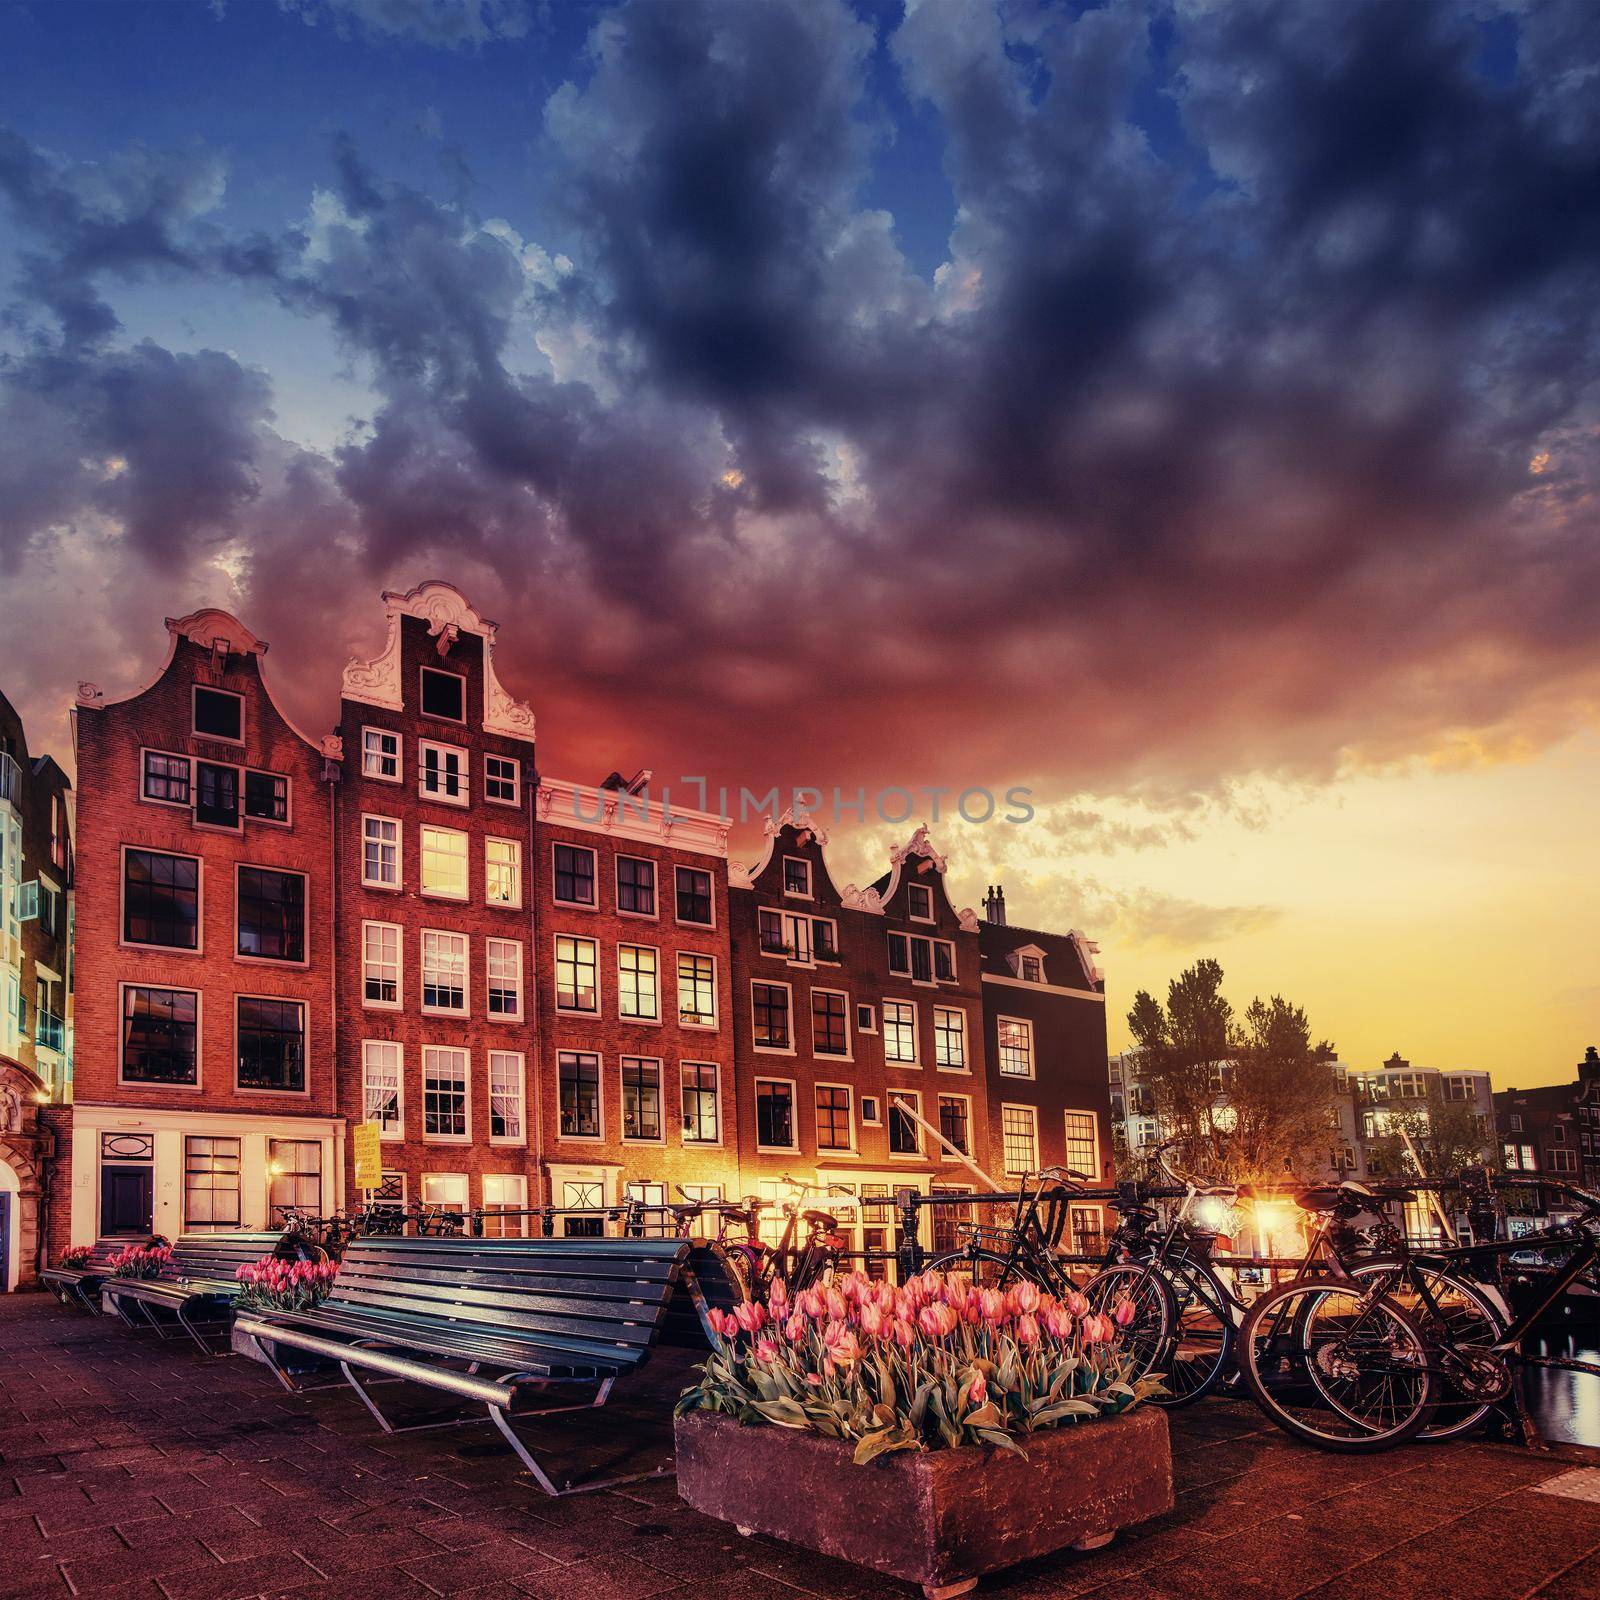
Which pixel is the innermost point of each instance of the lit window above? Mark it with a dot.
(697, 991)
(900, 1032)
(381, 1087)
(380, 755)
(1019, 1139)
(574, 875)
(219, 714)
(380, 852)
(444, 971)
(636, 886)
(296, 1168)
(442, 773)
(504, 1195)
(447, 1191)
(834, 1131)
(637, 996)
(210, 1182)
(775, 1114)
(950, 1038)
(444, 863)
(505, 1096)
(444, 694)
(701, 1121)
(578, 1082)
(641, 1098)
(576, 962)
(1016, 1047)
(1083, 1143)
(502, 872)
(444, 1094)
(502, 780)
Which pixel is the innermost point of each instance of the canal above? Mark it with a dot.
(1566, 1405)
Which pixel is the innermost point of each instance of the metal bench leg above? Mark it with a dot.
(363, 1393)
(541, 1477)
(126, 1316)
(194, 1333)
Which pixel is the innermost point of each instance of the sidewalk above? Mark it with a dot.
(132, 1468)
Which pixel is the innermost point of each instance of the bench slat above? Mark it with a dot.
(639, 1328)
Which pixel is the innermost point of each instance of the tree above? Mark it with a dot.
(1243, 1100)
(1445, 1134)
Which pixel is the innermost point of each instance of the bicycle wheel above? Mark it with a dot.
(1335, 1370)
(1203, 1349)
(1151, 1337)
(983, 1269)
(1471, 1324)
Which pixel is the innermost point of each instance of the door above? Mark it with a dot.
(5, 1239)
(126, 1200)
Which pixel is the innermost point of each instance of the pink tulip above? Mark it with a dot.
(721, 1323)
(1027, 1329)
(1057, 1323)
(845, 1348)
(937, 1320)
(904, 1334)
(749, 1317)
(835, 1304)
(994, 1305)
(813, 1305)
(778, 1297)
(979, 1392)
(1124, 1314)
(795, 1328)
(1077, 1304)
(814, 1379)
(766, 1350)
(1024, 1297)
(871, 1320)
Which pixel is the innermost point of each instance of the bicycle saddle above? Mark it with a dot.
(819, 1219)
(1384, 1192)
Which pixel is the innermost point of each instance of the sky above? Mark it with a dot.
(1183, 411)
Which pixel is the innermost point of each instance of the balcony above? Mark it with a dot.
(10, 780)
(50, 1031)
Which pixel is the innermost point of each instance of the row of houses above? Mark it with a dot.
(542, 991)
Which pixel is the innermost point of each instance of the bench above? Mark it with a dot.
(80, 1286)
(709, 1282)
(198, 1286)
(496, 1322)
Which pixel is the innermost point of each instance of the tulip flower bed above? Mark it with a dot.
(936, 1364)
(75, 1260)
(1000, 1426)
(141, 1261)
(274, 1285)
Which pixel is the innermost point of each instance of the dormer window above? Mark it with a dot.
(444, 694)
(1028, 963)
(797, 876)
(919, 900)
(1032, 969)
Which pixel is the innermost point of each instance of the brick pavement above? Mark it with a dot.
(130, 1468)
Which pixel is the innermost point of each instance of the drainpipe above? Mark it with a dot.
(535, 997)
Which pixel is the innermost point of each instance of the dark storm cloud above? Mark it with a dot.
(1249, 422)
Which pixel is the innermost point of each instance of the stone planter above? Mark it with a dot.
(941, 1518)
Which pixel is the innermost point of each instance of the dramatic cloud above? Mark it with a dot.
(1248, 426)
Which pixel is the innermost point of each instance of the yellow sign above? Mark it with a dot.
(369, 1159)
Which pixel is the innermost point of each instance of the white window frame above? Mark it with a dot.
(515, 846)
(794, 1116)
(194, 709)
(423, 830)
(369, 732)
(773, 1049)
(915, 1063)
(398, 1003)
(466, 1086)
(716, 990)
(641, 1018)
(465, 1008)
(871, 1024)
(463, 773)
(823, 1150)
(594, 877)
(305, 906)
(555, 972)
(148, 750)
(716, 1094)
(662, 1114)
(599, 1135)
(912, 890)
(488, 973)
(966, 1099)
(965, 1069)
(797, 894)
(199, 1037)
(513, 1227)
(399, 853)
(302, 1093)
(1094, 1139)
(248, 816)
(616, 885)
(874, 1100)
(516, 779)
(849, 1052)
(915, 1097)
(1033, 1118)
(999, 1055)
(443, 672)
(465, 1202)
(685, 866)
(521, 1060)
(397, 1133)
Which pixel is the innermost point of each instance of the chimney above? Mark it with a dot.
(994, 905)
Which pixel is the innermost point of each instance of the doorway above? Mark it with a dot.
(127, 1196)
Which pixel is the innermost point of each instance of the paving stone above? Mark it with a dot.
(456, 1571)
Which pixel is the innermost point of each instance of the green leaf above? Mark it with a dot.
(1065, 1408)
(785, 1412)
(1002, 1441)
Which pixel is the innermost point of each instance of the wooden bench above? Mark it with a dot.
(195, 1290)
(497, 1322)
(80, 1286)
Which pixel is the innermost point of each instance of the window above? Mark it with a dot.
(923, 960)
(445, 1190)
(950, 1039)
(576, 985)
(701, 1123)
(830, 1035)
(161, 899)
(955, 1116)
(503, 962)
(210, 1182)
(1083, 1143)
(834, 1130)
(866, 1017)
(1563, 1161)
(900, 1032)
(578, 1075)
(869, 1111)
(166, 778)
(380, 964)
(216, 795)
(444, 1093)
(296, 1169)
(636, 886)
(641, 1098)
(218, 714)
(271, 914)
(1032, 970)
(1019, 1139)
(504, 1194)
(775, 1114)
(638, 997)
(697, 991)
(905, 1137)
(442, 773)
(803, 939)
(271, 1044)
(266, 797)
(797, 876)
(919, 900)
(586, 1194)
(574, 875)
(380, 852)
(1458, 1088)
(444, 863)
(444, 694)
(653, 1220)
(694, 896)
(505, 1097)
(1016, 1047)
(381, 1090)
(502, 780)
(380, 755)
(1516, 1122)
(160, 1035)
(444, 971)
(769, 1009)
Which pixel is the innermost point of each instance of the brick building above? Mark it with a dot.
(543, 991)
(1554, 1130)
(36, 954)
(204, 1068)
